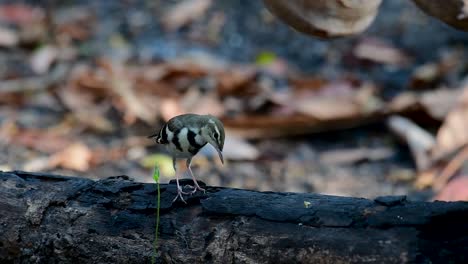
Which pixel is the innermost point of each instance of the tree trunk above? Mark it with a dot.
(55, 219)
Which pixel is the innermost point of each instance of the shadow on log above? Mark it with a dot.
(55, 219)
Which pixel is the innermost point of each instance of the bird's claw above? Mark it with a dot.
(179, 194)
(195, 189)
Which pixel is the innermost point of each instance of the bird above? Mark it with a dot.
(184, 135)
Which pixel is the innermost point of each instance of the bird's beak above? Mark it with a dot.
(220, 155)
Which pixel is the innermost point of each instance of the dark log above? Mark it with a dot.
(55, 219)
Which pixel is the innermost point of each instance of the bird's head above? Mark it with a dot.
(213, 132)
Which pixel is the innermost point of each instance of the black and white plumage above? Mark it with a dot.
(185, 135)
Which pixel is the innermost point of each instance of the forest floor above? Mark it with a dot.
(84, 84)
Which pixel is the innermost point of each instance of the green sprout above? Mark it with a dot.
(158, 202)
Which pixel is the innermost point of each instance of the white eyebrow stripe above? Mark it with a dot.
(216, 128)
(211, 121)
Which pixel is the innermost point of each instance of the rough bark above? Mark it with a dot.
(55, 219)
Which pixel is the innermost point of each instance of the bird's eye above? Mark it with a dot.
(216, 135)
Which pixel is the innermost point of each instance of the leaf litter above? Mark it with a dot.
(100, 101)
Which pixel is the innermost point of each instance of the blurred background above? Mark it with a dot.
(83, 83)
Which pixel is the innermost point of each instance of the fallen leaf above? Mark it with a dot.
(454, 164)
(76, 156)
(43, 58)
(440, 102)
(169, 108)
(455, 190)
(326, 108)
(350, 156)
(379, 51)
(419, 141)
(37, 164)
(453, 134)
(235, 82)
(196, 102)
(236, 148)
(83, 105)
(40, 140)
(185, 12)
(464, 11)
(8, 37)
(425, 76)
(20, 13)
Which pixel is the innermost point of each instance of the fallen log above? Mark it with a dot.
(55, 219)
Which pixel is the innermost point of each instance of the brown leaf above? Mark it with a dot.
(84, 107)
(76, 156)
(425, 76)
(455, 190)
(440, 102)
(329, 18)
(170, 107)
(236, 148)
(326, 108)
(8, 37)
(20, 13)
(451, 169)
(196, 102)
(350, 156)
(308, 83)
(44, 141)
(453, 134)
(379, 51)
(184, 13)
(123, 85)
(419, 140)
(235, 82)
(43, 58)
(451, 12)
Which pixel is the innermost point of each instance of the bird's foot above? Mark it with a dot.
(195, 189)
(179, 194)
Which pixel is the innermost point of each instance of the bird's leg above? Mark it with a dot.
(179, 189)
(196, 187)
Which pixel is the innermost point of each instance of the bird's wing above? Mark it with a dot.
(175, 125)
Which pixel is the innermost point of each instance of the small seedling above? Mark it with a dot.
(158, 202)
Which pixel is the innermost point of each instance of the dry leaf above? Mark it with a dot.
(184, 13)
(326, 108)
(329, 18)
(44, 141)
(350, 156)
(43, 58)
(235, 81)
(77, 157)
(425, 76)
(196, 102)
(236, 148)
(20, 14)
(453, 133)
(455, 190)
(419, 141)
(451, 12)
(169, 108)
(83, 106)
(440, 102)
(123, 86)
(8, 37)
(380, 52)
